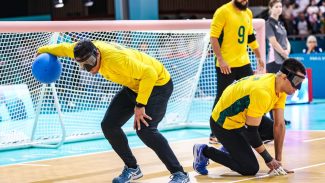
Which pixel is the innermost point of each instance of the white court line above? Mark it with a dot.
(268, 175)
(95, 153)
(305, 167)
(27, 164)
(138, 147)
(316, 139)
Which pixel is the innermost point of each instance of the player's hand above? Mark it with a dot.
(224, 67)
(274, 164)
(140, 116)
(278, 171)
(260, 66)
(276, 167)
(286, 170)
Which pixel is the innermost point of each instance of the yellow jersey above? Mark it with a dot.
(252, 96)
(232, 27)
(128, 67)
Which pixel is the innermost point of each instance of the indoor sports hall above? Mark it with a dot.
(51, 132)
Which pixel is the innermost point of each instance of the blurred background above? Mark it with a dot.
(301, 17)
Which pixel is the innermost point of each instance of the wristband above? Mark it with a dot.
(139, 105)
(266, 156)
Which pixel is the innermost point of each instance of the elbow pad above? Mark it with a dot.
(253, 136)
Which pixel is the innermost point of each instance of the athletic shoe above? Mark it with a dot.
(179, 177)
(200, 161)
(128, 174)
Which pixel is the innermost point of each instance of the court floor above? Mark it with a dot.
(93, 161)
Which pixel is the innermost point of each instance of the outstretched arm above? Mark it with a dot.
(279, 132)
(61, 50)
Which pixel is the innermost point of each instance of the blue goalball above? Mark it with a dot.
(46, 68)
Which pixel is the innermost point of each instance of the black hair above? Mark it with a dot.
(294, 65)
(84, 48)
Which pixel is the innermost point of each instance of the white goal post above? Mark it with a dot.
(32, 114)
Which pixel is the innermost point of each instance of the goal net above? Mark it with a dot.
(28, 115)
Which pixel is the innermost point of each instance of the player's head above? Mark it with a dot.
(241, 4)
(275, 7)
(294, 74)
(85, 53)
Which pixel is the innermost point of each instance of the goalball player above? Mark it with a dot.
(237, 117)
(147, 88)
(230, 32)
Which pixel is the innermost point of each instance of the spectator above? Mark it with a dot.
(322, 7)
(288, 17)
(313, 16)
(312, 8)
(312, 46)
(301, 6)
(302, 24)
(322, 17)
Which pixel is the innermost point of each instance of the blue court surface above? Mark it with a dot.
(303, 117)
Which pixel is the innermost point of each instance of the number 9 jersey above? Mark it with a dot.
(234, 29)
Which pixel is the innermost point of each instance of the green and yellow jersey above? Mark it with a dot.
(252, 96)
(232, 27)
(128, 67)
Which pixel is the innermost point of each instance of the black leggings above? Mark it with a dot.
(121, 109)
(241, 157)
